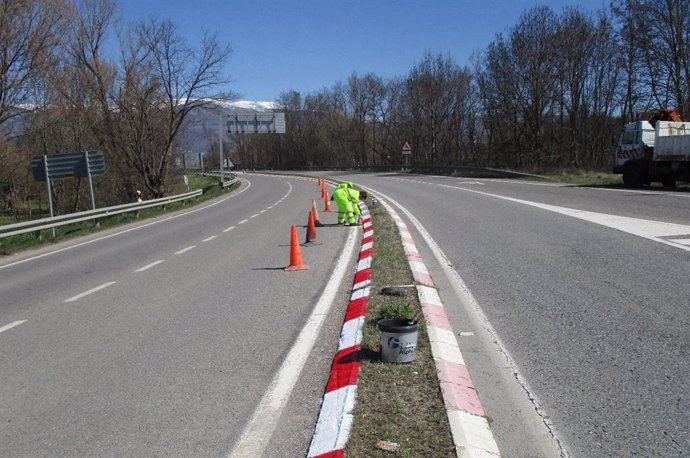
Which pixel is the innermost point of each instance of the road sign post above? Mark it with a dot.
(59, 166)
(407, 151)
(255, 123)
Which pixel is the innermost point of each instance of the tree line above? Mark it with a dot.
(64, 87)
(550, 92)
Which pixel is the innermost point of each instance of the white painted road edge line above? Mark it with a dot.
(91, 291)
(258, 431)
(125, 231)
(12, 325)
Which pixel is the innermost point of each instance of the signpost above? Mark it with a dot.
(58, 166)
(251, 123)
(257, 123)
(407, 151)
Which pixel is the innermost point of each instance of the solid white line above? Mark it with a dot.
(207, 239)
(141, 269)
(229, 229)
(648, 229)
(12, 325)
(258, 431)
(184, 250)
(91, 291)
(98, 239)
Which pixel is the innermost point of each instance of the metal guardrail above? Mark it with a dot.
(62, 220)
(229, 175)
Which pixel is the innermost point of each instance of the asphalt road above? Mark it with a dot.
(160, 338)
(578, 335)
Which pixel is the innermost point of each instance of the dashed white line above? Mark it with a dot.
(141, 269)
(229, 229)
(262, 211)
(184, 250)
(12, 325)
(91, 291)
(242, 222)
(254, 216)
(207, 239)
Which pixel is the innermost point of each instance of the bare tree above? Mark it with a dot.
(144, 99)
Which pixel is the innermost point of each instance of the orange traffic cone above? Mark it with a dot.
(319, 182)
(317, 223)
(324, 193)
(311, 228)
(327, 207)
(296, 262)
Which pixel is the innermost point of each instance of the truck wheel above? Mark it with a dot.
(634, 175)
(668, 182)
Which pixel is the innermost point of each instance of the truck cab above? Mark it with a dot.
(636, 139)
(636, 158)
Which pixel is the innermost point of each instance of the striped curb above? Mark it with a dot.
(337, 407)
(472, 435)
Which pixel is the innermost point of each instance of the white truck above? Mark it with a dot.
(648, 154)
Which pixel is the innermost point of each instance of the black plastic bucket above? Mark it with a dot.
(398, 340)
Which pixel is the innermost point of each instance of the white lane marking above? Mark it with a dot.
(208, 239)
(242, 222)
(115, 234)
(147, 267)
(229, 229)
(648, 229)
(254, 215)
(258, 431)
(7, 327)
(184, 250)
(262, 211)
(91, 291)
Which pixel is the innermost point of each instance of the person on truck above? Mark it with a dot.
(665, 114)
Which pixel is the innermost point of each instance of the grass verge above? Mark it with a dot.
(399, 403)
(15, 244)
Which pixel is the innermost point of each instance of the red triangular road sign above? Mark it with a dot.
(407, 147)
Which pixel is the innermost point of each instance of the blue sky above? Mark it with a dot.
(307, 45)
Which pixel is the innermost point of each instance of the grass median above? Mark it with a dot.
(398, 406)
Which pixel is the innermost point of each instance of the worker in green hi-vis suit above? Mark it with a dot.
(341, 196)
(355, 197)
(346, 197)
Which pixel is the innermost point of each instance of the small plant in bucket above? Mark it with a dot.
(396, 310)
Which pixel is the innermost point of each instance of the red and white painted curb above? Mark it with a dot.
(472, 435)
(338, 404)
